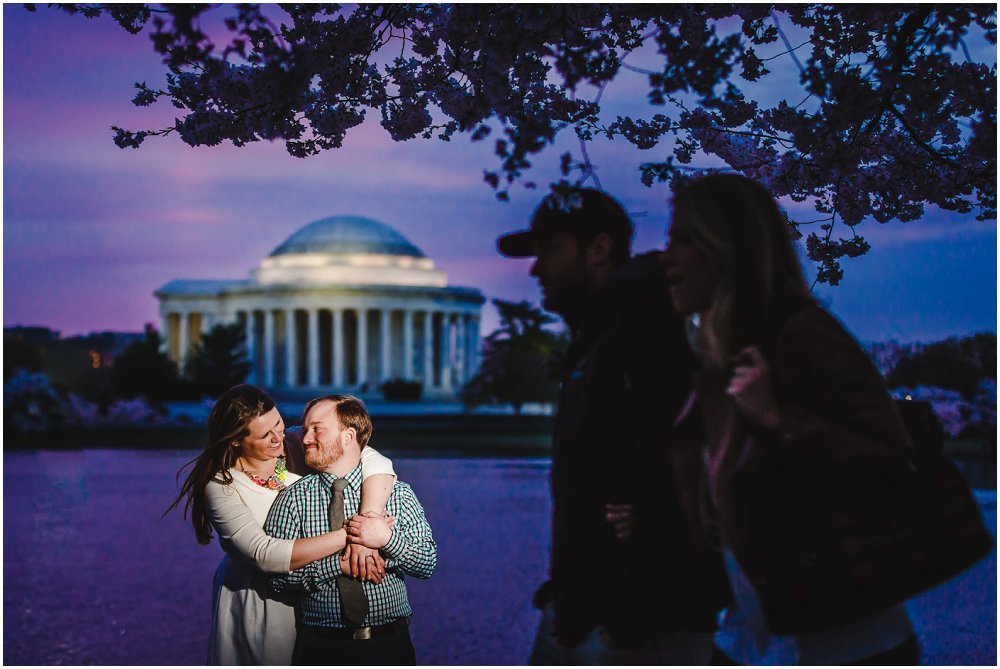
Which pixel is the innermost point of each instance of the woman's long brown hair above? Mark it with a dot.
(228, 423)
(737, 224)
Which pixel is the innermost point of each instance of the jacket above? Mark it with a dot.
(774, 495)
(624, 377)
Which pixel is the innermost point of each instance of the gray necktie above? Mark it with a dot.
(353, 600)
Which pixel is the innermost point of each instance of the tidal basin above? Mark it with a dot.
(94, 576)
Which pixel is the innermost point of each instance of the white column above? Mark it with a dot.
(473, 346)
(460, 350)
(182, 340)
(466, 343)
(362, 346)
(386, 348)
(268, 348)
(339, 378)
(165, 333)
(466, 347)
(254, 375)
(408, 345)
(428, 350)
(446, 351)
(291, 341)
(313, 361)
(195, 333)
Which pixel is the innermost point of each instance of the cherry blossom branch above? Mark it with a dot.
(483, 67)
(931, 151)
(789, 51)
(788, 44)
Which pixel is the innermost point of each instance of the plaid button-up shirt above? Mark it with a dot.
(301, 510)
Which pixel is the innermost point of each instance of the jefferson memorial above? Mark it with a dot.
(344, 304)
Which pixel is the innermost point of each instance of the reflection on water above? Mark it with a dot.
(93, 575)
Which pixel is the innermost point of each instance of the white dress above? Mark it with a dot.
(251, 624)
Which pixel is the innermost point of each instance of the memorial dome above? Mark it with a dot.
(341, 235)
(348, 250)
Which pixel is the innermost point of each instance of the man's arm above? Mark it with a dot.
(408, 546)
(654, 367)
(284, 521)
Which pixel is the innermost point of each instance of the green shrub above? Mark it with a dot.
(401, 390)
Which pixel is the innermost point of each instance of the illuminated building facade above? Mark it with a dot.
(344, 304)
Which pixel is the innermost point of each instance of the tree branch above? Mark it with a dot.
(788, 44)
(934, 153)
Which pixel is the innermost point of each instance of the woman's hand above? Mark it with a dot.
(620, 517)
(371, 531)
(750, 388)
(363, 563)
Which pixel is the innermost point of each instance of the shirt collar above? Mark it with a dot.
(353, 477)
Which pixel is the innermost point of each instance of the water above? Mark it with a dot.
(93, 575)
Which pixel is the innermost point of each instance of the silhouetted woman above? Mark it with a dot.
(229, 489)
(789, 410)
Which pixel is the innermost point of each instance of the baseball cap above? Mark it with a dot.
(585, 212)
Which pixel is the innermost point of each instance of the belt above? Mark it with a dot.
(360, 633)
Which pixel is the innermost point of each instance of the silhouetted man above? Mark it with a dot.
(624, 378)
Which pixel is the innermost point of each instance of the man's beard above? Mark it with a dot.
(569, 297)
(322, 456)
(569, 302)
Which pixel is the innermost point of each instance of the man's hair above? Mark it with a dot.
(351, 412)
(587, 212)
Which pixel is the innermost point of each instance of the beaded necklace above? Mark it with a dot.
(275, 481)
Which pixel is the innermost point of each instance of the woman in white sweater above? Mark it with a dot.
(229, 489)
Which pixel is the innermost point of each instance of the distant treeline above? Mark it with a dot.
(104, 366)
(957, 363)
(107, 366)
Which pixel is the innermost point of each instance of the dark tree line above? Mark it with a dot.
(85, 367)
(217, 362)
(514, 370)
(955, 364)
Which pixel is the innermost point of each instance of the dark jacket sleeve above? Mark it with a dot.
(833, 403)
(654, 366)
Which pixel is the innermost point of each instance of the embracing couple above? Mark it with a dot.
(316, 553)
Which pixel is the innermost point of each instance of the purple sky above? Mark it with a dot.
(90, 230)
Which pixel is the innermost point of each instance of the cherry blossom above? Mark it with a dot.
(890, 111)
